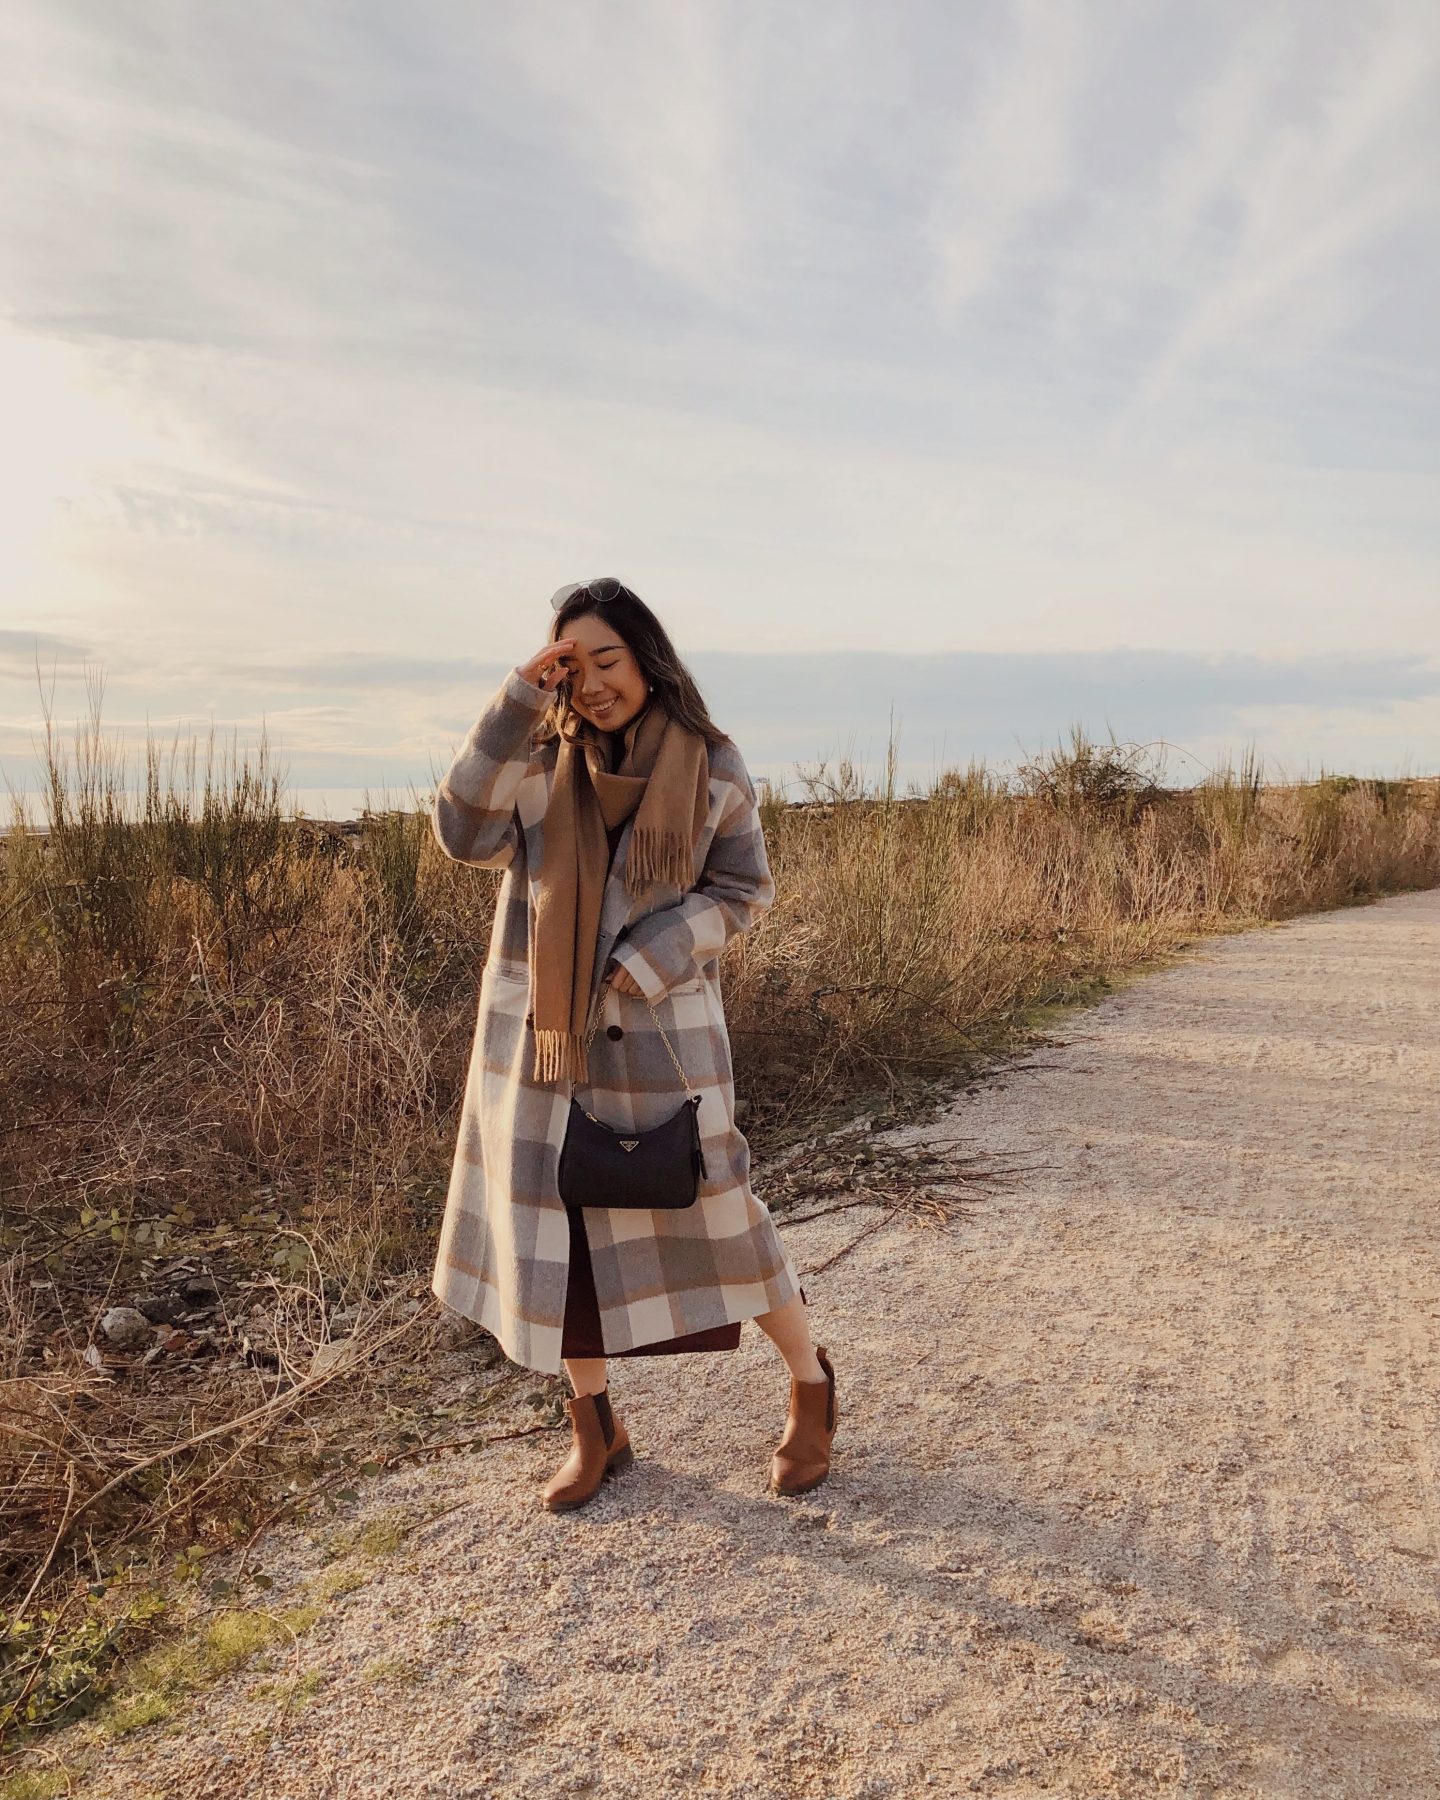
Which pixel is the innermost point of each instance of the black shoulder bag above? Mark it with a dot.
(650, 1171)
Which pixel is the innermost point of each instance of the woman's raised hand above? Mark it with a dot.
(546, 667)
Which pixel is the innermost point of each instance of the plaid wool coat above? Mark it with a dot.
(504, 1246)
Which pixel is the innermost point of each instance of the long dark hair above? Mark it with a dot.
(670, 681)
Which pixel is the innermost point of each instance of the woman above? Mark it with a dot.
(627, 827)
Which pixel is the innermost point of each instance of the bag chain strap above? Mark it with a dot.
(594, 1023)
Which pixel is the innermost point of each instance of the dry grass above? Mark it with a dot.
(232, 1048)
(912, 933)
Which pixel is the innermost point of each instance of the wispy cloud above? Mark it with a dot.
(1310, 189)
(644, 99)
(24, 653)
(1014, 152)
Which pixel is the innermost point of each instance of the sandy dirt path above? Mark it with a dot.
(1135, 1490)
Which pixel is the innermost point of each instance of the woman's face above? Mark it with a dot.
(607, 686)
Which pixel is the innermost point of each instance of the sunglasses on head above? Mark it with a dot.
(604, 587)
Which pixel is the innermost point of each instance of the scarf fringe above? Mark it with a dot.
(560, 1056)
(657, 854)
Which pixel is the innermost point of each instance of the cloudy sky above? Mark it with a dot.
(979, 367)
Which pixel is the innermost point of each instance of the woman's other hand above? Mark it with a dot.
(546, 668)
(624, 982)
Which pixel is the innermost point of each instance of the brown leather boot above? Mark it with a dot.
(600, 1445)
(803, 1458)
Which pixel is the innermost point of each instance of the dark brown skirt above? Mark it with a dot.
(581, 1334)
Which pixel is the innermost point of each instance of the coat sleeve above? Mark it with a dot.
(473, 817)
(734, 890)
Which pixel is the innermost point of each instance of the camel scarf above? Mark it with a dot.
(658, 770)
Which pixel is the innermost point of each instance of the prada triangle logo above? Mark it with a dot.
(629, 1143)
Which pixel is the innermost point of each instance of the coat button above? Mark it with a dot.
(614, 1032)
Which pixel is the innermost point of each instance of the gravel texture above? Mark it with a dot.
(1134, 1489)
